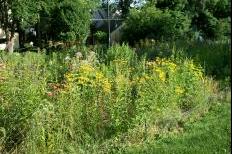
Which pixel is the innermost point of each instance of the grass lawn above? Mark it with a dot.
(210, 135)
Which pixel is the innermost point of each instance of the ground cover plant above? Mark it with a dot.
(83, 102)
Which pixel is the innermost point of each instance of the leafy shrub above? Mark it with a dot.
(71, 20)
(173, 5)
(101, 37)
(154, 23)
(214, 56)
(152, 48)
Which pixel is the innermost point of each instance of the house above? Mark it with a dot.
(116, 35)
(100, 23)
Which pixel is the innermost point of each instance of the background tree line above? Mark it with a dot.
(175, 19)
(66, 20)
(69, 20)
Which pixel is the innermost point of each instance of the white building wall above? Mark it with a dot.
(16, 40)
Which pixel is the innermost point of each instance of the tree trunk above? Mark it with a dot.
(9, 40)
(21, 36)
(8, 26)
(10, 45)
(38, 35)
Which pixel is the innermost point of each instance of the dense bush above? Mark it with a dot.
(150, 22)
(214, 56)
(71, 20)
(101, 37)
(169, 20)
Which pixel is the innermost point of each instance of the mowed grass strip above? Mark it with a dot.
(210, 135)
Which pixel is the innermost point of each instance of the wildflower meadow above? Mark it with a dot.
(93, 104)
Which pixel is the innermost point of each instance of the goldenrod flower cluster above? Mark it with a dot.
(161, 70)
(161, 67)
(87, 76)
(106, 86)
(86, 69)
(143, 79)
(197, 71)
(161, 74)
(179, 90)
(165, 63)
(69, 77)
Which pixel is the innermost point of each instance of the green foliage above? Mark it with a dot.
(62, 20)
(71, 20)
(207, 23)
(101, 37)
(173, 5)
(59, 104)
(214, 56)
(222, 8)
(22, 92)
(165, 19)
(154, 23)
(123, 53)
(209, 135)
(25, 12)
(124, 5)
(207, 17)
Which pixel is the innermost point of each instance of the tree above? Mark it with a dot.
(124, 5)
(210, 17)
(171, 4)
(71, 20)
(153, 23)
(16, 14)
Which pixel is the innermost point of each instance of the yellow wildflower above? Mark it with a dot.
(86, 68)
(99, 76)
(69, 77)
(83, 80)
(106, 86)
(172, 67)
(161, 74)
(179, 90)
(198, 73)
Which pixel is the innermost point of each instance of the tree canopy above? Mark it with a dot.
(167, 19)
(66, 20)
